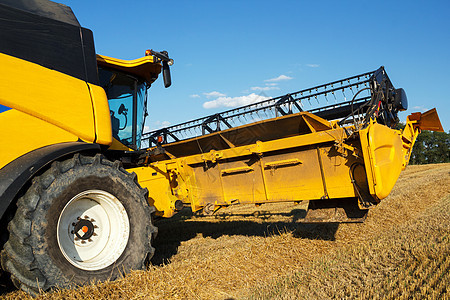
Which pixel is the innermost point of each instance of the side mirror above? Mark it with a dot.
(166, 63)
(166, 74)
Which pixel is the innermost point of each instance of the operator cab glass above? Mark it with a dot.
(127, 98)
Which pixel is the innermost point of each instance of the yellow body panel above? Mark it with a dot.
(26, 133)
(126, 63)
(103, 131)
(336, 174)
(54, 97)
(383, 150)
(116, 145)
(145, 67)
(156, 180)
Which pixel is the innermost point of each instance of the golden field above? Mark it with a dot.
(402, 250)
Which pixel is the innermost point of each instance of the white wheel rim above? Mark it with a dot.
(103, 230)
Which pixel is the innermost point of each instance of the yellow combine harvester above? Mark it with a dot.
(80, 182)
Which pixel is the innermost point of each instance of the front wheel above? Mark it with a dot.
(84, 220)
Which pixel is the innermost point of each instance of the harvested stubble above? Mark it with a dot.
(401, 250)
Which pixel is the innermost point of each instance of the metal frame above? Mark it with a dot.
(374, 81)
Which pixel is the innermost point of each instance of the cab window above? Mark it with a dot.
(127, 105)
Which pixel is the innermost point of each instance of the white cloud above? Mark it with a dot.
(265, 88)
(234, 101)
(272, 84)
(161, 124)
(313, 65)
(279, 78)
(213, 94)
(421, 108)
(156, 125)
(194, 96)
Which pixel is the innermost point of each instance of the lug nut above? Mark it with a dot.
(86, 217)
(89, 240)
(83, 242)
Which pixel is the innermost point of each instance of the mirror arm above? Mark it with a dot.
(166, 63)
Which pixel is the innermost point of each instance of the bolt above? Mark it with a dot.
(94, 234)
(95, 226)
(83, 242)
(78, 218)
(92, 220)
(86, 217)
(89, 240)
(76, 238)
(72, 232)
(73, 224)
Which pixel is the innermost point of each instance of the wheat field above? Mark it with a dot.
(247, 252)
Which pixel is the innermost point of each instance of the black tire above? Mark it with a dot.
(33, 255)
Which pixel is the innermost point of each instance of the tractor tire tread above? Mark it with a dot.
(17, 256)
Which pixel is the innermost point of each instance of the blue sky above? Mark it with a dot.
(229, 50)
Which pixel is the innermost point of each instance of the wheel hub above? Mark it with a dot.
(93, 230)
(83, 229)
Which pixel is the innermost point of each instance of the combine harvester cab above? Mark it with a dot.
(343, 158)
